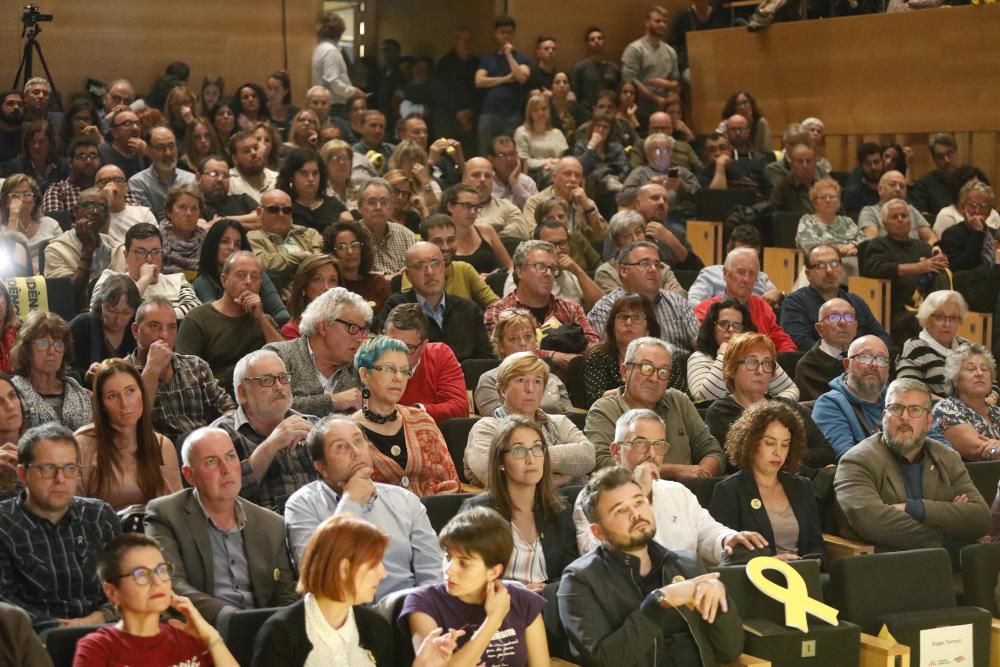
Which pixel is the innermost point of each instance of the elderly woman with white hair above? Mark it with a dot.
(521, 379)
(817, 133)
(923, 357)
(626, 227)
(321, 361)
(966, 418)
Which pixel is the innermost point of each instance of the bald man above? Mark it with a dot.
(111, 181)
(892, 185)
(500, 214)
(581, 212)
(451, 319)
(837, 326)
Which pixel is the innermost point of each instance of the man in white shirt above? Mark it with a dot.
(111, 181)
(681, 523)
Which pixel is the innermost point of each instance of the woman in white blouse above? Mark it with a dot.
(538, 143)
(725, 319)
(21, 216)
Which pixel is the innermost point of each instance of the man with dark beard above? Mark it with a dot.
(657, 607)
(901, 490)
(213, 181)
(11, 117)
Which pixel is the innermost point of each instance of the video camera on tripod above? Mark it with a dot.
(30, 18)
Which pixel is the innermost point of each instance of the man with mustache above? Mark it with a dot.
(639, 446)
(341, 455)
(11, 117)
(152, 184)
(901, 490)
(657, 606)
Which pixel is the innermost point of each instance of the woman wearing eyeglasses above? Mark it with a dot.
(725, 319)
(407, 447)
(21, 216)
(475, 243)
(766, 444)
(521, 379)
(352, 244)
(940, 317)
(303, 177)
(105, 330)
(40, 358)
(124, 461)
(825, 226)
(182, 236)
(969, 244)
(137, 580)
(967, 418)
(223, 239)
(338, 157)
(407, 209)
(748, 367)
(631, 317)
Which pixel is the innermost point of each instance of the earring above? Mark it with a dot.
(365, 393)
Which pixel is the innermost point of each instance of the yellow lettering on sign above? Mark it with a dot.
(794, 596)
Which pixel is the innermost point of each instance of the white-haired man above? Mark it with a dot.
(321, 360)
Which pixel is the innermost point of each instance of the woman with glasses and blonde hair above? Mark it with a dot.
(124, 461)
(749, 366)
(515, 332)
(706, 380)
(766, 445)
(407, 208)
(411, 159)
(520, 487)
(40, 358)
(338, 157)
(407, 447)
(21, 216)
(521, 381)
(923, 357)
(137, 579)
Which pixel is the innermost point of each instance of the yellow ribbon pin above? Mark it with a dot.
(794, 596)
(277, 574)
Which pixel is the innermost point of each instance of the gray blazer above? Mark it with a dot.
(308, 396)
(179, 524)
(868, 482)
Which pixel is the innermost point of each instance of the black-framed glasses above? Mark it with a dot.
(87, 157)
(837, 318)
(93, 205)
(642, 445)
(521, 452)
(127, 123)
(354, 245)
(649, 369)
(354, 329)
(117, 180)
(753, 363)
(49, 470)
(728, 325)
(390, 370)
(469, 206)
(143, 576)
(646, 264)
(542, 267)
(880, 360)
(914, 411)
(275, 209)
(624, 318)
(269, 380)
(143, 253)
(823, 266)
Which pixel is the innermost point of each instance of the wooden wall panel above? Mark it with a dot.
(107, 39)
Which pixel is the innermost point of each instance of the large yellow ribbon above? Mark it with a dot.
(794, 596)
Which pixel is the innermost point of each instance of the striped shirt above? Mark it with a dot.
(678, 326)
(706, 383)
(527, 560)
(50, 570)
(923, 359)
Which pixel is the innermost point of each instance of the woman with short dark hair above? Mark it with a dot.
(352, 244)
(303, 176)
(105, 330)
(631, 317)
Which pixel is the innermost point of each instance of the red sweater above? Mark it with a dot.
(763, 318)
(438, 384)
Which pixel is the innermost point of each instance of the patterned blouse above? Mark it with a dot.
(953, 411)
(180, 254)
(813, 231)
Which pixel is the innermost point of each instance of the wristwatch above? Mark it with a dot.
(661, 598)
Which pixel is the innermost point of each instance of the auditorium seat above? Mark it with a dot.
(715, 205)
(61, 643)
(985, 475)
(239, 630)
(784, 227)
(705, 238)
(496, 281)
(441, 508)
(980, 568)
(456, 435)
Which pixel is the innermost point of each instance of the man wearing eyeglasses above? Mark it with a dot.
(85, 160)
(640, 269)
(892, 185)
(800, 315)
(279, 244)
(119, 95)
(391, 239)
(321, 360)
(693, 451)
(933, 191)
(900, 489)
(144, 259)
(582, 215)
(680, 182)
(509, 182)
(681, 523)
(50, 539)
(838, 327)
(152, 184)
(228, 554)
(213, 181)
(267, 432)
(124, 213)
(127, 149)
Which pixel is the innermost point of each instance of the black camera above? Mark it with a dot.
(32, 16)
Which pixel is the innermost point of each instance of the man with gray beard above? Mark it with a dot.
(899, 489)
(152, 184)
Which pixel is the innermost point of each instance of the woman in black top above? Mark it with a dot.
(303, 177)
(631, 317)
(105, 330)
(477, 242)
(970, 244)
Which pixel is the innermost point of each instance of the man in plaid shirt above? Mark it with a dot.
(50, 539)
(535, 269)
(391, 239)
(84, 161)
(184, 393)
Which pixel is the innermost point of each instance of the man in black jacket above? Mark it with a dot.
(632, 601)
(451, 318)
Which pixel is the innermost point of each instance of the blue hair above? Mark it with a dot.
(374, 348)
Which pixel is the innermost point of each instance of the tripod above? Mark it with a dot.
(31, 45)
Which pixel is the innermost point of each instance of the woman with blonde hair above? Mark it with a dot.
(411, 159)
(180, 110)
(538, 143)
(125, 462)
(338, 157)
(200, 142)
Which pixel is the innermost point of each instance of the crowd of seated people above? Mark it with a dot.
(293, 334)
